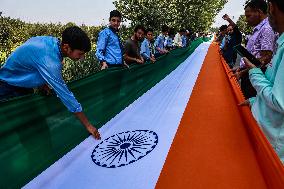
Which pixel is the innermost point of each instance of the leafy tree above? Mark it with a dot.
(214, 29)
(197, 15)
(14, 32)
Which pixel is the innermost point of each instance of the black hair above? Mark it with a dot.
(223, 28)
(182, 30)
(115, 13)
(171, 31)
(76, 38)
(165, 28)
(149, 30)
(278, 3)
(139, 27)
(257, 5)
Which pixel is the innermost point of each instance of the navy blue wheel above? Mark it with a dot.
(124, 148)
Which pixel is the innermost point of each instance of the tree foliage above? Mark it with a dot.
(197, 15)
(14, 32)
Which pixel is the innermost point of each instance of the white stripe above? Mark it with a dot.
(159, 110)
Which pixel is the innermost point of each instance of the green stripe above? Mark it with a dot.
(36, 131)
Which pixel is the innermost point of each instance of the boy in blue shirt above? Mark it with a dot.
(169, 41)
(38, 62)
(147, 47)
(160, 42)
(109, 47)
(183, 38)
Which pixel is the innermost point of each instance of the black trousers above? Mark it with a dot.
(8, 91)
(246, 86)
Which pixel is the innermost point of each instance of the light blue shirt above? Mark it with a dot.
(223, 43)
(109, 47)
(38, 62)
(169, 42)
(159, 43)
(268, 105)
(146, 49)
(183, 39)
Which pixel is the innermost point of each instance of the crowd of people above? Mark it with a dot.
(262, 85)
(140, 47)
(38, 63)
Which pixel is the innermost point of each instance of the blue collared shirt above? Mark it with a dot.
(109, 47)
(38, 62)
(159, 43)
(223, 43)
(146, 49)
(183, 39)
(169, 42)
(268, 105)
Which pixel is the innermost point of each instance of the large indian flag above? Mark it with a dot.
(185, 132)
